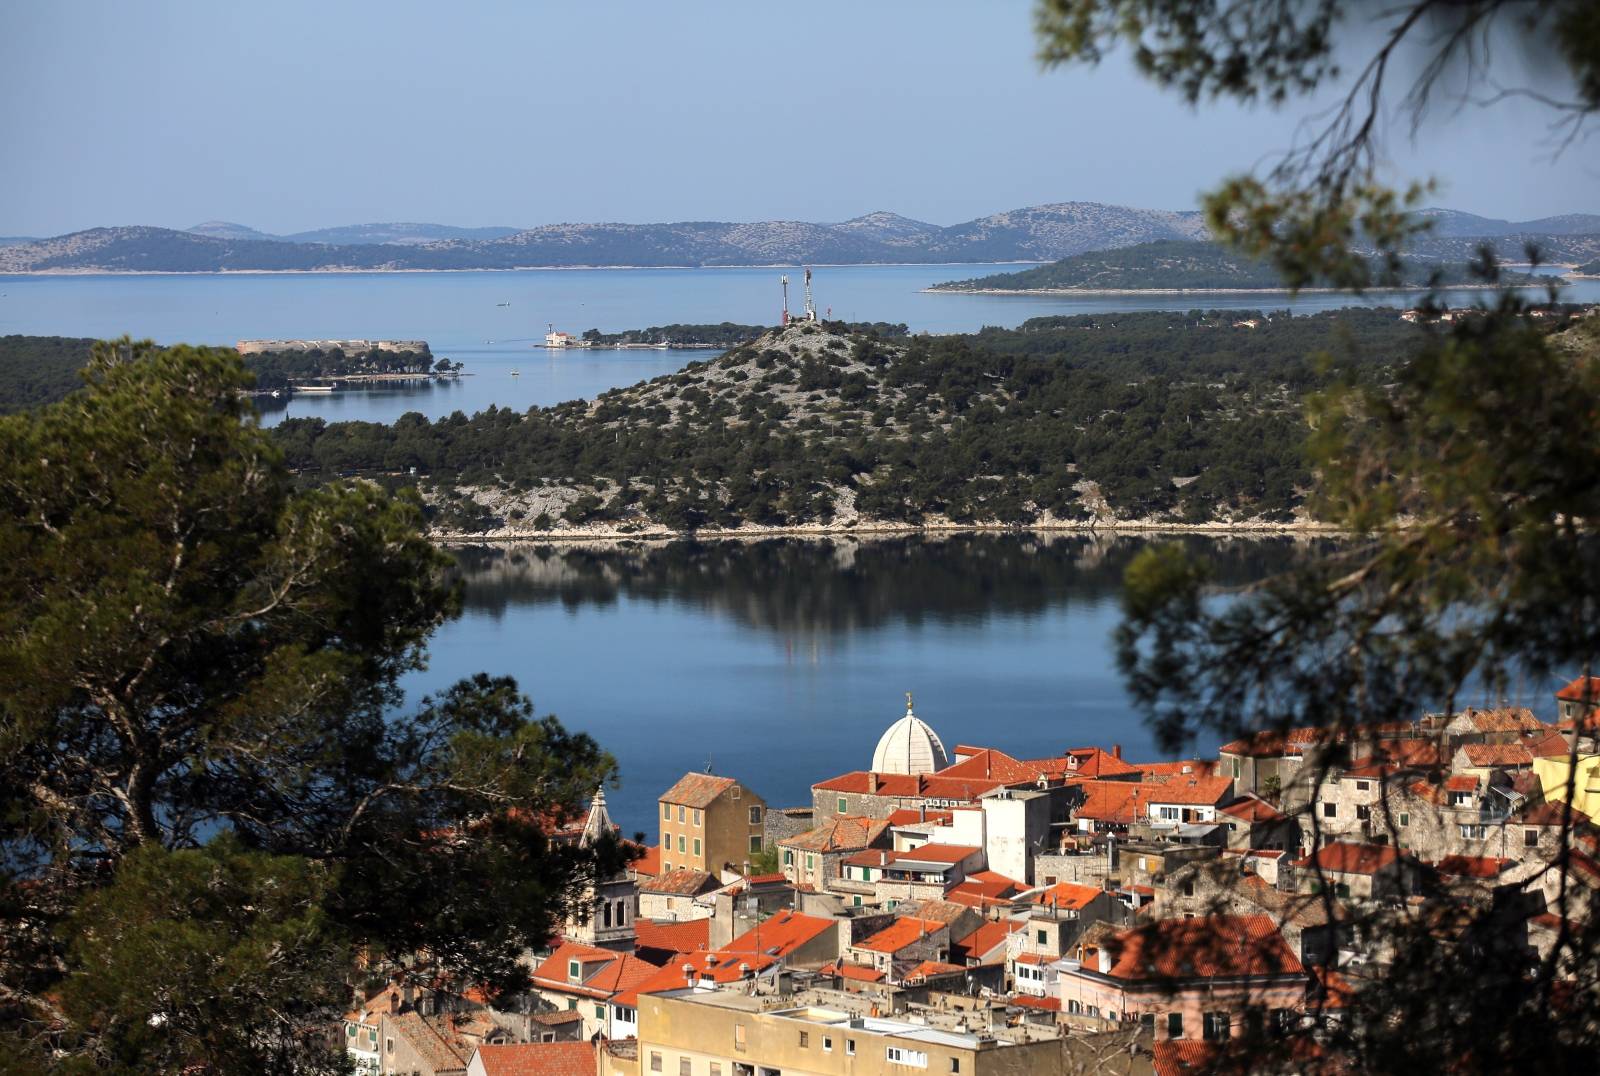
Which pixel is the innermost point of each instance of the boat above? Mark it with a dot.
(513, 373)
(318, 390)
(502, 304)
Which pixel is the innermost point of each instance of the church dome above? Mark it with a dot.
(909, 746)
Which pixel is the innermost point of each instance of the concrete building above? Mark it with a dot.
(712, 824)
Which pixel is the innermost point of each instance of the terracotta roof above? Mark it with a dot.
(1408, 752)
(1550, 745)
(905, 786)
(932, 967)
(935, 853)
(844, 833)
(1192, 791)
(1552, 813)
(1333, 990)
(670, 937)
(1033, 958)
(540, 1059)
(780, 935)
(429, 1042)
(1064, 895)
(557, 1017)
(858, 972)
(1497, 754)
(1578, 690)
(1027, 1001)
(706, 967)
(1089, 762)
(989, 763)
(1473, 866)
(1505, 719)
(604, 972)
(1343, 857)
(682, 882)
(697, 789)
(649, 864)
(1270, 743)
(909, 816)
(985, 940)
(1180, 1057)
(1253, 809)
(1114, 802)
(1207, 947)
(899, 934)
(1464, 782)
(983, 888)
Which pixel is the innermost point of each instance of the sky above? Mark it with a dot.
(290, 116)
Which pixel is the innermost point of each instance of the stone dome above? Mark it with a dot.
(909, 746)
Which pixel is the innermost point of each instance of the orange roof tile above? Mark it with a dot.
(540, 1059)
(907, 816)
(843, 833)
(1113, 802)
(1270, 743)
(1207, 947)
(1496, 754)
(1191, 791)
(648, 864)
(936, 853)
(682, 882)
(858, 972)
(932, 967)
(1343, 857)
(1473, 866)
(1085, 762)
(604, 973)
(1504, 719)
(1064, 895)
(697, 789)
(1578, 690)
(1461, 783)
(905, 786)
(1552, 814)
(1197, 767)
(897, 935)
(988, 763)
(708, 967)
(1253, 809)
(1026, 1001)
(985, 940)
(780, 935)
(670, 937)
(1550, 745)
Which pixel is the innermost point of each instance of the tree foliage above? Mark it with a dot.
(199, 693)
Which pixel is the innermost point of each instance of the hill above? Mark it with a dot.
(1030, 234)
(1454, 224)
(1167, 265)
(1065, 421)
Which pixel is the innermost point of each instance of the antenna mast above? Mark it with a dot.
(784, 280)
(811, 310)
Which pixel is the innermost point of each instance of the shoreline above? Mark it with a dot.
(347, 271)
(1265, 292)
(1263, 529)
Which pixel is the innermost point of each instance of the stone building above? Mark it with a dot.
(711, 824)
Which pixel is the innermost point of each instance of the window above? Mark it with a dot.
(827, 1044)
(574, 971)
(655, 1060)
(697, 846)
(1041, 937)
(1174, 1025)
(388, 1046)
(1363, 812)
(697, 816)
(843, 804)
(1342, 890)
(1144, 864)
(685, 1067)
(1072, 1007)
(738, 1036)
(666, 811)
(622, 912)
(1530, 838)
(1330, 810)
(755, 842)
(788, 857)
(1363, 786)
(1236, 767)
(955, 1064)
(1216, 1027)
(599, 1012)
(1472, 832)
(733, 793)
(850, 1047)
(1049, 879)
(1188, 887)
(681, 843)
(755, 816)
(811, 861)
(857, 901)
(1405, 818)
(680, 812)
(901, 1056)
(805, 1040)
(716, 1068)
(572, 1004)
(667, 866)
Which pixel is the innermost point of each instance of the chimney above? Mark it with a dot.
(872, 782)
(1116, 750)
(922, 811)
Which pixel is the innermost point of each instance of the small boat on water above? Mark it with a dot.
(513, 373)
(316, 390)
(502, 304)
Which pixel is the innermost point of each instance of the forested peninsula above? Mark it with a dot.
(1109, 421)
(1178, 265)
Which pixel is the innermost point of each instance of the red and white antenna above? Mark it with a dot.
(811, 310)
(785, 281)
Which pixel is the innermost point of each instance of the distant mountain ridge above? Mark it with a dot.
(1035, 233)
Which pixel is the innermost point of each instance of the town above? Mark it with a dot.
(959, 910)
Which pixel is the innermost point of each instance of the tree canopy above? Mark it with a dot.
(200, 708)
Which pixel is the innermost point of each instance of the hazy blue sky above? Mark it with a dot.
(290, 115)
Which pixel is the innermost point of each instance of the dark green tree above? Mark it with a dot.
(199, 703)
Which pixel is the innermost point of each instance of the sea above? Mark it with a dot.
(780, 661)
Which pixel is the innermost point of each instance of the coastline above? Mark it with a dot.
(349, 271)
(1235, 529)
(1285, 292)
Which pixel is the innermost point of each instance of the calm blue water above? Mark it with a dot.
(458, 313)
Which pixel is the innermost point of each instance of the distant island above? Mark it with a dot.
(1181, 265)
(1031, 234)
